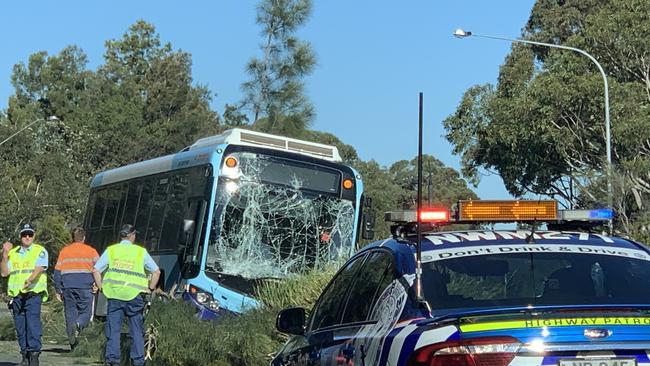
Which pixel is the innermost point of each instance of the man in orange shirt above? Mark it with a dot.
(73, 278)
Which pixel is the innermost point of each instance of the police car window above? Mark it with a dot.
(328, 309)
(535, 278)
(375, 275)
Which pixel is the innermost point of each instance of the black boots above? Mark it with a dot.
(73, 338)
(30, 359)
(33, 358)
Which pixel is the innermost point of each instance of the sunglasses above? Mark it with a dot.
(29, 235)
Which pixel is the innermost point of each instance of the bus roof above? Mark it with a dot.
(202, 151)
(238, 136)
(183, 159)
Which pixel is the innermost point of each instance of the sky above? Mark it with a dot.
(374, 58)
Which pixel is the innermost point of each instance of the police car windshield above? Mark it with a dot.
(524, 279)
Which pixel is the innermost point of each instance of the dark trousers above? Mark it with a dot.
(26, 310)
(117, 310)
(78, 306)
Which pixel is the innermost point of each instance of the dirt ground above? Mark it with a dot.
(52, 354)
(55, 355)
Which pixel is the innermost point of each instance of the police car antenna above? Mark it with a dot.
(418, 268)
(530, 239)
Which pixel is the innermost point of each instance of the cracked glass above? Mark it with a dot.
(276, 217)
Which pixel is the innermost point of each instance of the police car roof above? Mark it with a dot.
(445, 240)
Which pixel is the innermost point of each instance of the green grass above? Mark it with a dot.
(182, 339)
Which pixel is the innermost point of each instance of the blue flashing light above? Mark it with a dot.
(602, 214)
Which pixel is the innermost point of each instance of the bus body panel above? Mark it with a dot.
(229, 299)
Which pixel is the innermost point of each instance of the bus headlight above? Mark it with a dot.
(213, 305)
(204, 298)
(231, 187)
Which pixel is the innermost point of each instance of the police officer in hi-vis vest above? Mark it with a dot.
(27, 287)
(124, 282)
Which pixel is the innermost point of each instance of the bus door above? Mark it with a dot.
(190, 248)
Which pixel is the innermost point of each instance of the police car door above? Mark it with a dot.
(360, 334)
(324, 326)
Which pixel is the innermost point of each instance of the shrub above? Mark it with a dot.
(182, 339)
(7, 331)
(300, 290)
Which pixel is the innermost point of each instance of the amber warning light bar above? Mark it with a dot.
(500, 211)
(497, 211)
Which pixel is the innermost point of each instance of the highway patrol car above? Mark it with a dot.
(487, 298)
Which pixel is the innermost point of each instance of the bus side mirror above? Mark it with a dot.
(188, 226)
(368, 226)
(188, 229)
(368, 220)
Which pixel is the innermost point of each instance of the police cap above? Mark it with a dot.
(126, 230)
(26, 229)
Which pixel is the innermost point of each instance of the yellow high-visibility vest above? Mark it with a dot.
(125, 277)
(22, 267)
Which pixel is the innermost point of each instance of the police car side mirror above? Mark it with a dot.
(291, 321)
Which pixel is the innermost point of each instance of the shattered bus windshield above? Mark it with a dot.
(275, 217)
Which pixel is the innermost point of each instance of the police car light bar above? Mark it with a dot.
(603, 214)
(429, 215)
(501, 211)
(434, 215)
(504, 211)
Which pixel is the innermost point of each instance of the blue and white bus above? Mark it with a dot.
(232, 211)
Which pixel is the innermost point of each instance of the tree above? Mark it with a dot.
(395, 187)
(146, 99)
(139, 104)
(275, 94)
(542, 126)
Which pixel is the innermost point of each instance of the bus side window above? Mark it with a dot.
(173, 221)
(113, 197)
(157, 213)
(98, 209)
(132, 200)
(142, 217)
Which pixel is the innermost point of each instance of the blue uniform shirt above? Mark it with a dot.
(40, 262)
(102, 263)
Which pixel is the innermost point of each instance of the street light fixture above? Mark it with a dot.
(460, 33)
(50, 118)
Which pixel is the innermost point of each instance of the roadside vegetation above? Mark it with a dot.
(176, 337)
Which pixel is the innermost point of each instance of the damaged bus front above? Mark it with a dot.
(254, 208)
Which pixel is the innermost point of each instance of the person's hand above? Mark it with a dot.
(94, 289)
(28, 282)
(6, 247)
(58, 297)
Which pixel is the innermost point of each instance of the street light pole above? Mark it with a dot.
(50, 118)
(459, 33)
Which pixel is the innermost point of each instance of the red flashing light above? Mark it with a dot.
(434, 215)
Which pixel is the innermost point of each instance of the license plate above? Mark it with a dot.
(598, 362)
